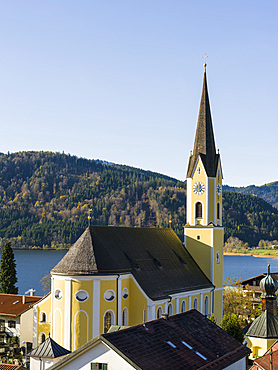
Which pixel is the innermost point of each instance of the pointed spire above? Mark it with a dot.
(204, 140)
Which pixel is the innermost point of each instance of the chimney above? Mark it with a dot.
(165, 316)
(23, 299)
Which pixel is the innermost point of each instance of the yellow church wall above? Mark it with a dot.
(218, 267)
(106, 305)
(211, 194)
(81, 335)
(81, 313)
(201, 198)
(174, 306)
(218, 305)
(138, 305)
(200, 249)
(44, 306)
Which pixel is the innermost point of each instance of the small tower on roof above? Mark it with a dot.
(204, 234)
(263, 331)
(269, 286)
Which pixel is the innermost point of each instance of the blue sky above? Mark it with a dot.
(120, 80)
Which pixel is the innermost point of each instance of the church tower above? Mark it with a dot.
(203, 231)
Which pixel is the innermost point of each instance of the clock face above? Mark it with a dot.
(199, 188)
(218, 189)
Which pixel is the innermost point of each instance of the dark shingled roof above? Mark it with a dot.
(204, 140)
(156, 258)
(185, 341)
(49, 349)
(264, 326)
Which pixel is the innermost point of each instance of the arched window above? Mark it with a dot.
(218, 211)
(42, 317)
(170, 309)
(206, 306)
(125, 317)
(198, 210)
(183, 306)
(195, 304)
(159, 312)
(108, 320)
(42, 338)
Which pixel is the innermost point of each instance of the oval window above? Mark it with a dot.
(81, 296)
(109, 295)
(125, 293)
(58, 294)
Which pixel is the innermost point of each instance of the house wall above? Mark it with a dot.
(98, 354)
(258, 346)
(40, 364)
(239, 365)
(26, 334)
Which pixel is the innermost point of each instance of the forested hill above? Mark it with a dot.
(269, 192)
(45, 200)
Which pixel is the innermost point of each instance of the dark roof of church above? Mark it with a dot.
(185, 341)
(49, 349)
(264, 326)
(156, 258)
(204, 144)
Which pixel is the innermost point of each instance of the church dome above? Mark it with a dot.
(268, 285)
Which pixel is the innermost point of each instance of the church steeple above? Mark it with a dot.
(204, 144)
(203, 232)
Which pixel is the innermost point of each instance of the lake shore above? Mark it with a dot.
(250, 255)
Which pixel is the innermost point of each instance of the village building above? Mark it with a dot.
(128, 276)
(46, 354)
(262, 333)
(185, 341)
(15, 317)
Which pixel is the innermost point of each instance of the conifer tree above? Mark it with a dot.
(8, 277)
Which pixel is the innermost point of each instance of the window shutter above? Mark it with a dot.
(93, 366)
(104, 366)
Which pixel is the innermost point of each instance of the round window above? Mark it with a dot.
(125, 293)
(81, 296)
(58, 294)
(109, 295)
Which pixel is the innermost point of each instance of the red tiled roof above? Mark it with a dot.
(186, 341)
(10, 367)
(264, 361)
(12, 304)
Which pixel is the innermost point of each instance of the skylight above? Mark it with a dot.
(171, 344)
(187, 345)
(197, 353)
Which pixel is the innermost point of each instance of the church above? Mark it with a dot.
(127, 276)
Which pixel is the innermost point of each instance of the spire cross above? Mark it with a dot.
(205, 59)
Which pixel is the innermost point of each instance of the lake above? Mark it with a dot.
(32, 265)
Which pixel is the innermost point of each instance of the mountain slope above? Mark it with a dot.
(45, 200)
(268, 192)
